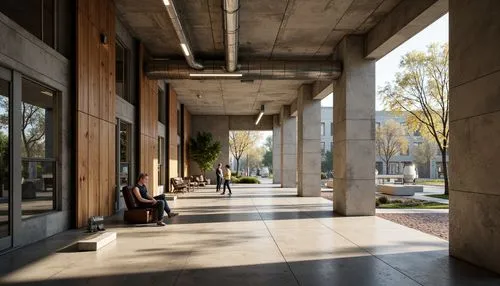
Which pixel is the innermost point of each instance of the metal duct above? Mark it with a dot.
(181, 35)
(249, 70)
(231, 26)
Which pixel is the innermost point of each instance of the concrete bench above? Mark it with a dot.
(96, 242)
(399, 190)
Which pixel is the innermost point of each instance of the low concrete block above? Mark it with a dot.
(96, 242)
(171, 197)
(399, 190)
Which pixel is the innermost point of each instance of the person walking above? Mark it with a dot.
(219, 176)
(227, 180)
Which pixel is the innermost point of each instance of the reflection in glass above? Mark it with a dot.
(38, 188)
(4, 159)
(38, 131)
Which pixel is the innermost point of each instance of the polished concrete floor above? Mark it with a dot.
(259, 236)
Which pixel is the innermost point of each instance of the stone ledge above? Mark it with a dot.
(399, 190)
(96, 242)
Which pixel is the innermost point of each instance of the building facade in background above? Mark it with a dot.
(431, 170)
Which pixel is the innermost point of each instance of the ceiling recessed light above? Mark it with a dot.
(166, 2)
(185, 49)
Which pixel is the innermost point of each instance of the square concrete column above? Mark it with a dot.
(354, 131)
(288, 148)
(308, 143)
(475, 132)
(276, 150)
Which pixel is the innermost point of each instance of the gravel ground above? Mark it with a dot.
(432, 223)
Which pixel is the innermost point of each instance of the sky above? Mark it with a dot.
(387, 67)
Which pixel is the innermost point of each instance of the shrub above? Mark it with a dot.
(247, 180)
(234, 175)
(323, 176)
(383, 200)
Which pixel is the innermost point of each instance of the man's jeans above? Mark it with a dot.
(161, 206)
(219, 183)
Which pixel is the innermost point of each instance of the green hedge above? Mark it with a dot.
(245, 180)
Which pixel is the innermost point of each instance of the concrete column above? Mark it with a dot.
(354, 131)
(276, 150)
(288, 148)
(308, 143)
(475, 132)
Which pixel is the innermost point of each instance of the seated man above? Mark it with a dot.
(159, 202)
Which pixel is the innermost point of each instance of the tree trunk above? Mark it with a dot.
(445, 170)
(237, 166)
(387, 167)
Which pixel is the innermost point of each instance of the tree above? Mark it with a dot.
(239, 143)
(424, 152)
(268, 155)
(327, 162)
(204, 150)
(390, 140)
(254, 157)
(421, 91)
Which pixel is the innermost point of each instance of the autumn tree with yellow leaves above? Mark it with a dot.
(420, 91)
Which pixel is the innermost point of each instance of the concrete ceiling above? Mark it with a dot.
(268, 28)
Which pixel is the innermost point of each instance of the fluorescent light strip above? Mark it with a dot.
(166, 2)
(215, 74)
(185, 49)
(258, 118)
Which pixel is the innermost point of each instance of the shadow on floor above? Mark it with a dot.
(359, 271)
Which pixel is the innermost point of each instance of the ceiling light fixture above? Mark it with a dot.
(47, 93)
(215, 75)
(261, 113)
(166, 2)
(185, 49)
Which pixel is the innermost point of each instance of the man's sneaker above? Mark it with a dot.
(171, 215)
(160, 223)
(222, 194)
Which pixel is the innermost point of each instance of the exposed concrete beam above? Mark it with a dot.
(322, 89)
(403, 22)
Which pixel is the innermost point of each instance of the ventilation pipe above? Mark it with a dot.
(231, 26)
(248, 70)
(181, 35)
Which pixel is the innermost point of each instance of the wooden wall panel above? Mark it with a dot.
(173, 136)
(82, 168)
(187, 138)
(94, 168)
(95, 68)
(148, 125)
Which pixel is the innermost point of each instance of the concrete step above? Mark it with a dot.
(96, 242)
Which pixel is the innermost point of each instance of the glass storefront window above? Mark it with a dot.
(38, 149)
(4, 158)
(125, 153)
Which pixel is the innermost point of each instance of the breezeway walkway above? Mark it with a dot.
(262, 235)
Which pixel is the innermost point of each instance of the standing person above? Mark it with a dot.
(159, 202)
(227, 180)
(220, 177)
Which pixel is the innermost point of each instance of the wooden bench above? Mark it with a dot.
(178, 184)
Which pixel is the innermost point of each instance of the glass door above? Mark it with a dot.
(5, 160)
